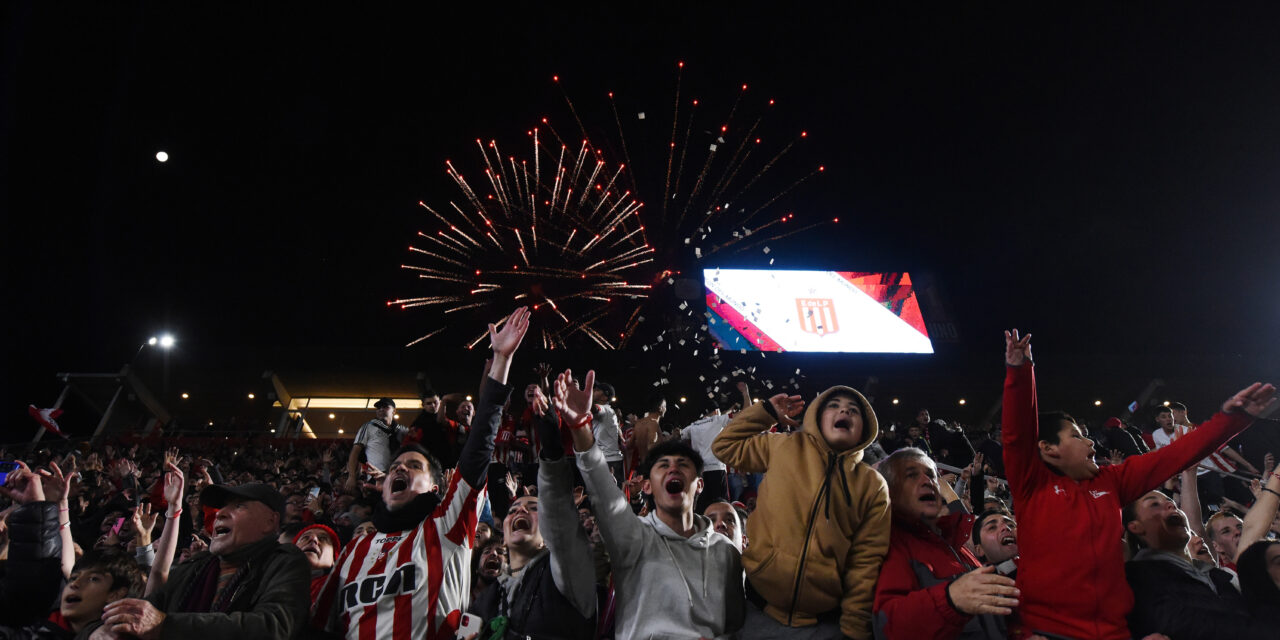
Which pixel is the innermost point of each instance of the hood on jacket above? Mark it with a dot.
(870, 426)
(701, 538)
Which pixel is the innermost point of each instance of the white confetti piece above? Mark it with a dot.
(640, 115)
(767, 250)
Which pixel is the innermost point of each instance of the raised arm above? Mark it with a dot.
(746, 394)
(744, 443)
(58, 488)
(1143, 473)
(174, 483)
(1189, 501)
(473, 461)
(1020, 424)
(561, 528)
(1258, 521)
(620, 529)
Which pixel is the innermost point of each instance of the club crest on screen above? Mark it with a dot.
(817, 315)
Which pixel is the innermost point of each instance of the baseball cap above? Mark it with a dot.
(218, 495)
(385, 402)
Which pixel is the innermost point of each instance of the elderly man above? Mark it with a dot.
(247, 585)
(412, 577)
(931, 586)
(320, 544)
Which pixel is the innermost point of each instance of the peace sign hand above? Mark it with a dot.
(1016, 350)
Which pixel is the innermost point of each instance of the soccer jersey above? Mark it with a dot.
(411, 584)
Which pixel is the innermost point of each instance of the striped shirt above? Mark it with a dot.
(403, 585)
(1216, 461)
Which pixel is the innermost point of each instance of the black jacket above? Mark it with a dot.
(272, 600)
(32, 577)
(538, 610)
(1170, 600)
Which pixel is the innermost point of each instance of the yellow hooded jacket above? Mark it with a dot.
(820, 530)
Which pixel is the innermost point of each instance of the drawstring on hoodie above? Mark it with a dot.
(833, 463)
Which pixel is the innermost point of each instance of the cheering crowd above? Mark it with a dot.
(551, 516)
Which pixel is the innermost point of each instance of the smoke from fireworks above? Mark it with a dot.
(563, 228)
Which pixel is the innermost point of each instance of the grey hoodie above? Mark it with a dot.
(667, 586)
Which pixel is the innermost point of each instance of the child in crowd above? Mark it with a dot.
(821, 528)
(1071, 570)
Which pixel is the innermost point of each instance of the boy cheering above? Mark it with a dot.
(1071, 572)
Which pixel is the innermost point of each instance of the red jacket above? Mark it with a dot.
(1071, 570)
(911, 594)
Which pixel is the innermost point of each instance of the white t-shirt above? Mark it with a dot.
(604, 426)
(700, 436)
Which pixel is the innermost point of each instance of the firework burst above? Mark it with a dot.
(561, 226)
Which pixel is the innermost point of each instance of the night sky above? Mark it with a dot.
(1105, 177)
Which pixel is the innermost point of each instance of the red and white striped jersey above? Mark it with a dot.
(405, 585)
(1216, 460)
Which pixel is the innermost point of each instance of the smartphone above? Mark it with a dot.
(315, 491)
(7, 467)
(470, 624)
(115, 528)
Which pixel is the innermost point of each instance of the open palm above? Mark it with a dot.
(505, 341)
(1256, 400)
(574, 403)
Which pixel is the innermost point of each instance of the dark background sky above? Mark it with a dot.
(1106, 176)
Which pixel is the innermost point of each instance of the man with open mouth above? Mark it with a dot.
(412, 577)
(545, 590)
(247, 585)
(674, 576)
(931, 586)
(1174, 593)
(995, 541)
(319, 544)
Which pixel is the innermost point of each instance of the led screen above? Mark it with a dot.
(828, 311)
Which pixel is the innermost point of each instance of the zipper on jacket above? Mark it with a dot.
(804, 553)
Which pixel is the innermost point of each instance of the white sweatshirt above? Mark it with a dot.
(667, 586)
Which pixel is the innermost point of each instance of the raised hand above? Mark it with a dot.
(787, 408)
(574, 403)
(540, 402)
(1269, 463)
(507, 340)
(57, 485)
(22, 486)
(144, 520)
(1256, 400)
(174, 484)
(1016, 350)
